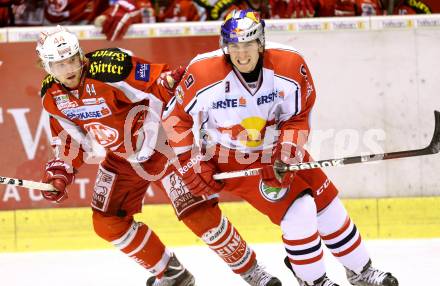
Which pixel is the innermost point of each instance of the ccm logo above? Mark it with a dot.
(190, 164)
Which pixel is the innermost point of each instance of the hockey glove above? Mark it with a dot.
(60, 175)
(170, 79)
(197, 174)
(276, 175)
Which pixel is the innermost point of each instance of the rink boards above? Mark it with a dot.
(374, 76)
(71, 228)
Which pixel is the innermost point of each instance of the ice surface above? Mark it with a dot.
(413, 262)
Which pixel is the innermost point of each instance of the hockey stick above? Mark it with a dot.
(27, 184)
(432, 148)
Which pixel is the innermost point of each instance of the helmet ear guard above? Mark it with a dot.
(57, 45)
(242, 26)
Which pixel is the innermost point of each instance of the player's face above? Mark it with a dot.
(244, 56)
(68, 71)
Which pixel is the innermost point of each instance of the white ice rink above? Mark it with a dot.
(414, 262)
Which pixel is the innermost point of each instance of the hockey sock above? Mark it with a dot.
(221, 236)
(230, 246)
(302, 241)
(135, 239)
(341, 236)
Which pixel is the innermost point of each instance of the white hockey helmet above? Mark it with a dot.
(57, 45)
(242, 26)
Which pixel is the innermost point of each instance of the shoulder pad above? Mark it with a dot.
(109, 65)
(46, 84)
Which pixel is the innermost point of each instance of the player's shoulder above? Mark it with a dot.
(207, 58)
(284, 60)
(209, 67)
(46, 84)
(109, 65)
(277, 50)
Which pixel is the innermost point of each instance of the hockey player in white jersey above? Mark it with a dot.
(250, 102)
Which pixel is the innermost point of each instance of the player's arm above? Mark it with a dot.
(151, 84)
(294, 123)
(68, 157)
(294, 126)
(178, 122)
(140, 80)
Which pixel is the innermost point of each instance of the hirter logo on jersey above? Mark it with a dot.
(103, 134)
(142, 72)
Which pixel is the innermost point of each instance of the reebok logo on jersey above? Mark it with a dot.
(142, 72)
(190, 164)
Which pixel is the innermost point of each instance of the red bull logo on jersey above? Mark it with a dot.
(250, 132)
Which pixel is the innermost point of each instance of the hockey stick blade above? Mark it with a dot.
(432, 148)
(27, 184)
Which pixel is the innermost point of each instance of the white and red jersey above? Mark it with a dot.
(213, 99)
(214, 103)
(117, 106)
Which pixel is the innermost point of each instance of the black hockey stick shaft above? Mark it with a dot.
(432, 148)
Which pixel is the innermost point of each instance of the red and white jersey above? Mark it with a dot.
(117, 107)
(214, 102)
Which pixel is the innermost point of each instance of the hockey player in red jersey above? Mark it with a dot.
(252, 110)
(105, 107)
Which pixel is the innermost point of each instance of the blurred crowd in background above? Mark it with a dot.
(115, 16)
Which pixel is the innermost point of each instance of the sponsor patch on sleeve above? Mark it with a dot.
(189, 81)
(142, 72)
